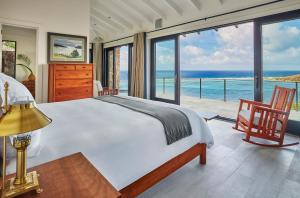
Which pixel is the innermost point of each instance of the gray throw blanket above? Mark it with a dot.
(175, 122)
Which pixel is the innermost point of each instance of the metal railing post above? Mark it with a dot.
(164, 85)
(297, 97)
(225, 90)
(200, 81)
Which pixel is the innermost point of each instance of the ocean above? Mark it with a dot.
(239, 84)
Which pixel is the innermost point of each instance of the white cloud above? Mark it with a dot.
(233, 49)
(276, 37)
(192, 50)
(281, 46)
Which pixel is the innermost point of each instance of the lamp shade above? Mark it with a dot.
(22, 118)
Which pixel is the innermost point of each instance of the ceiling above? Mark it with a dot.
(113, 19)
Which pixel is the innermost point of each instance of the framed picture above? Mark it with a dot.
(66, 48)
(9, 49)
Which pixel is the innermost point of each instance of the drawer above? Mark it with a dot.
(73, 83)
(83, 92)
(84, 67)
(64, 67)
(73, 74)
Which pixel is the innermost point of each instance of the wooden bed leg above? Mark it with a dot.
(202, 153)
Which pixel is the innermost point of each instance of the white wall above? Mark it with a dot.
(61, 16)
(0, 48)
(26, 44)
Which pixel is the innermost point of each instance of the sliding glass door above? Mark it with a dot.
(281, 61)
(222, 64)
(117, 68)
(110, 68)
(217, 68)
(125, 58)
(165, 70)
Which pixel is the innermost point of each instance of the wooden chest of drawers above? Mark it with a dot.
(70, 81)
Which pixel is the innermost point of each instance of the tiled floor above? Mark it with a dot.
(235, 169)
(225, 109)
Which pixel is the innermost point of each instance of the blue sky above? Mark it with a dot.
(231, 48)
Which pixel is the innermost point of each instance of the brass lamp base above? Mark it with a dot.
(12, 190)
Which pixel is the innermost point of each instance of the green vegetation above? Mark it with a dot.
(294, 106)
(9, 44)
(25, 61)
(293, 78)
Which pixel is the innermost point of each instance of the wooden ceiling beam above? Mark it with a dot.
(197, 4)
(102, 24)
(131, 17)
(136, 9)
(97, 33)
(155, 9)
(111, 14)
(105, 19)
(174, 6)
(99, 28)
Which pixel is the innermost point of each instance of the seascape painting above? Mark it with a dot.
(66, 48)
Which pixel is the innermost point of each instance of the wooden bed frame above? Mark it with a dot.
(150, 179)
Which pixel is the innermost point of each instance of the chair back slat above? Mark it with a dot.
(282, 98)
(269, 122)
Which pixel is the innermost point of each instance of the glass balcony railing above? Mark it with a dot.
(224, 89)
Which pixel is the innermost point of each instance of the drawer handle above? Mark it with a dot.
(83, 67)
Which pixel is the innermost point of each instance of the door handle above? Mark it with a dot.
(256, 81)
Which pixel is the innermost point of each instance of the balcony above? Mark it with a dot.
(221, 95)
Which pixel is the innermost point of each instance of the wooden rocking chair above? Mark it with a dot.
(266, 121)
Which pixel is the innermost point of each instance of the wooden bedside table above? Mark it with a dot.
(30, 85)
(72, 176)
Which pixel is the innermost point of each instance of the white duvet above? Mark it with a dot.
(122, 144)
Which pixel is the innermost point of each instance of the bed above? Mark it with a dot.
(129, 148)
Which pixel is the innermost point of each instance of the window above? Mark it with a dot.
(218, 63)
(165, 70)
(118, 68)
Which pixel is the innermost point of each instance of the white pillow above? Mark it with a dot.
(18, 92)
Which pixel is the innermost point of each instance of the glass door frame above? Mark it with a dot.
(258, 48)
(105, 73)
(293, 125)
(106, 66)
(153, 96)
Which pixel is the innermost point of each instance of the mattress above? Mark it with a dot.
(122, 144)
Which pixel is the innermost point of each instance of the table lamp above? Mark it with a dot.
(20, 118)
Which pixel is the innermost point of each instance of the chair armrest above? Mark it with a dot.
(250, 103)
(254, 103)
(257, 108)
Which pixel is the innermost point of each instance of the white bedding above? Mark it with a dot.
(122, 144)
